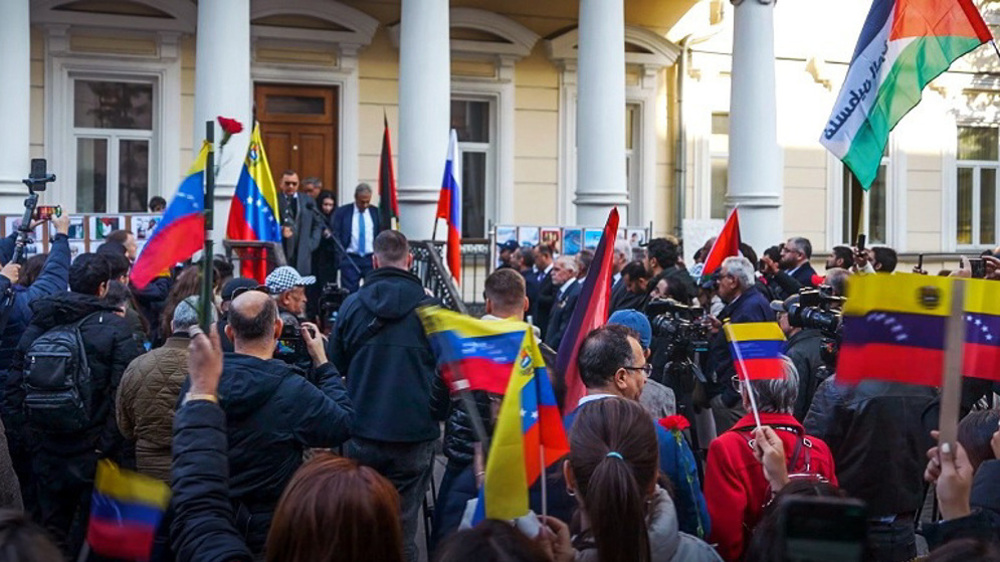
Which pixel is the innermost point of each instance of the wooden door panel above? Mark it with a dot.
(278, 147)
(316, 155)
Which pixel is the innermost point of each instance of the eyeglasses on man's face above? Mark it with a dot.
(646, 369)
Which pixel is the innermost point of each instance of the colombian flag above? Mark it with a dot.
(253, 214)
(450, 209)
(894, 328)
(903, 45)
(982, 330)
(473, 354)
(528, 438)
(181, 232)
(125, 511)
(759, 345)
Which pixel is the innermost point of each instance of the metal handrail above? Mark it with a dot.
(428, 266)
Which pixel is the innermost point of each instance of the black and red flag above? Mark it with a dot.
(388, 205)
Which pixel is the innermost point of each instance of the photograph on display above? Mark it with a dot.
(76, 231)
(77, 247)
(100, 227)
(572, 241)
(527, 236)
(591, 238)
(506, 233)
(636, 237)
(553, 238)
(12, 223)
(143, 225)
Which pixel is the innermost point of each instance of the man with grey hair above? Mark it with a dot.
(356, 226)
(795, 255)
(564, 274)
(149, 390)
(744, 303)
(737, 489)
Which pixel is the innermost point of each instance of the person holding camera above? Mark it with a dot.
(803, 347)
(273, 412)
(744, 303)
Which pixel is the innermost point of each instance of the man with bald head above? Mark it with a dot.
(273, 412)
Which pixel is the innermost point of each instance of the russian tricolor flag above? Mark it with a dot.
(450, 209)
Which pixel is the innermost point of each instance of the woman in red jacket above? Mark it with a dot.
(736, 489)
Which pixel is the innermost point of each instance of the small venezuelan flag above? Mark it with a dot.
(894, 328)
(528, 438)
(759, 345)
(473, 354)
(125, 511)
(981, 357)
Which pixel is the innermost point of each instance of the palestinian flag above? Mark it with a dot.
(904, 44)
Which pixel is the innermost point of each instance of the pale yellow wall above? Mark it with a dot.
(536, 139)
(187, 52)
(378, 70)
(37, 109)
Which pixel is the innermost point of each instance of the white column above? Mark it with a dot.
(755, 179)
(424, 112)
(15, 101)
(600, 113)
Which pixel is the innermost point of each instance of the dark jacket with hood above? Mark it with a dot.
(804, 348)
(878, 432)
(54, 278)
(380, 345)
(110, 348)
(273, 414)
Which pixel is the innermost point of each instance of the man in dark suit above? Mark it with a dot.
(623, 255)
(301, 224)
(568, 292)
(795, 256)
(356, 226)
(546, 290)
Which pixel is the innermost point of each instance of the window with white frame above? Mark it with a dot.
(718, 146)
(633, 142)
(978, 158)
(473, 121)
(113, 139)
(865, 211)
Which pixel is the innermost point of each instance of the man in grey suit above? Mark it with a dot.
(301, 224)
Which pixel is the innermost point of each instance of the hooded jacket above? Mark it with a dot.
(380, 345)
(804, 348)
(736, 490)
(273, 414)
(666, 542)
(110, 348)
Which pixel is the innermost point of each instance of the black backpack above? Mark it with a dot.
(57, 382)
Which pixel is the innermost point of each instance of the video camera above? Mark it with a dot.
(819, 309)
(683, 333)
(330, 301)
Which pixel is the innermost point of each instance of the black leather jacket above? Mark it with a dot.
(879, 433)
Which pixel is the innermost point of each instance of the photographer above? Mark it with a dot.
(744, 303)
(289, 291)
(804, 347)
(779, 282)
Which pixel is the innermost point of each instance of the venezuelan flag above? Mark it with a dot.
(894, 328)
(253, 214)
(181, 232)
(125, 511)
(528, 438)
(759, 345)
(981, 353)
(473, 354)
(450, 209)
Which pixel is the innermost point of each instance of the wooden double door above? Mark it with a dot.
(299, 127)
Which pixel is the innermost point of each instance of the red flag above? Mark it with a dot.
(590, 313)
(388, 206)
(726, 245)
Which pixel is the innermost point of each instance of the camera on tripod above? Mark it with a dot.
(817, 309)
(682, 333)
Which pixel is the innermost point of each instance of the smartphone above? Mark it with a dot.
(46, 212)
(861, 242)
(978, 267)
(39, 172)
(820, 529)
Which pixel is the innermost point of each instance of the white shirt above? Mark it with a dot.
(615, 278)
(354, 247)
(592, 397)
(566, 285)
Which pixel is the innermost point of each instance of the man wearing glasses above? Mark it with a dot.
(612, 364)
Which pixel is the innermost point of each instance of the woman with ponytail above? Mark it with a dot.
(612, 471)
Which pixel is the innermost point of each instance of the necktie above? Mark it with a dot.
(361, 233)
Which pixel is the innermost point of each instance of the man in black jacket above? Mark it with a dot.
(542, 308)
(64, 463)
(568, 287)
(795, 255)
(663, 259)
(273, 412)
(804, 347)
(379, 344)
(879, 433)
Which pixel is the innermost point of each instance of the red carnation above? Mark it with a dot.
(675, 423)
(230, 126)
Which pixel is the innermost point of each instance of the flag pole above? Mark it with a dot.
(746, 375)
(995, 48)
(205, 317)
(951, 384)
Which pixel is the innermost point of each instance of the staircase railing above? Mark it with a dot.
(428, 266)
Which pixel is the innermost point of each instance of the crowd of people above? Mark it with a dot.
(284, 441)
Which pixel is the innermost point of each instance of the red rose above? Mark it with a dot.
(230, 126)
(675, 423)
